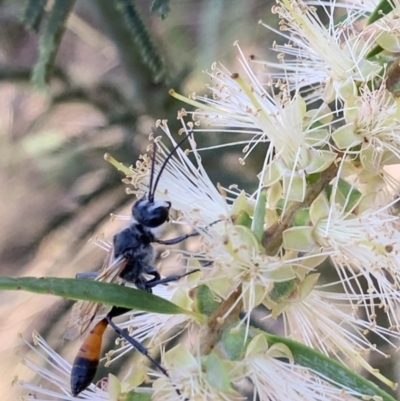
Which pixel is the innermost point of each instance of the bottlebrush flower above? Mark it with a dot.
(331, 322)
(371, 131)
(184, 183)
(194, 378)
(364, 244)
(387, 29)
(55, 384)
(298, 137)
(331, 60)
(265, 367)
(320, 195)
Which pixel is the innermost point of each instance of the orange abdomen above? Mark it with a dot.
(86, 361)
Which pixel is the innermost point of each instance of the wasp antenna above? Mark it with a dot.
(153, 162)
(167, 160)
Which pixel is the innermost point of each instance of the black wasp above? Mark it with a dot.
(131, 259)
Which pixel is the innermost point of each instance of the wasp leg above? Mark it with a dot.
(116, 311)
(176, 240)
(142, 284)
(87, 275)
(174, 277)
(136, 344)
(181, 238)
(154, 273)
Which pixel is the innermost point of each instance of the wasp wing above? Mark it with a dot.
(84, 312)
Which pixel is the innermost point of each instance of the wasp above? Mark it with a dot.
(130, 259)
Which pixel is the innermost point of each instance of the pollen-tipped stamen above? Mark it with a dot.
(118, 165)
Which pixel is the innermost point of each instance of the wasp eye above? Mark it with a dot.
(151, 214)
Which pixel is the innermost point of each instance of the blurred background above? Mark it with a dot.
(107, 88)
(109, 85)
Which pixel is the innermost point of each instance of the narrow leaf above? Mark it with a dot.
(49, 42)
(329, 369)
(135, 396)
(33, 14)
(384, 7)
(89, 290)
(141, 36)
(375, 51)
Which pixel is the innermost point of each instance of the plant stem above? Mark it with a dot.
(272, 238)
(217, 322)
(228, 312)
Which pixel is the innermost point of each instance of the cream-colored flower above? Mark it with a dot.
(243, 105)
(365, 246)
(387, 29)
(371, 131)
(299, 138)
(193, 378)
(55, 376)
(330, 322)
(275, 376)
(158, 328)
(330, 59)
(185, 184)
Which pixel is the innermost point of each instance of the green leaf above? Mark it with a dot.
(242, 219)
(204, 300)
(49, 42)
(312, 178)
(89, 290)
(234, 341)
(351, 194)
(329, 369)
(384, 7)
(259, 214)
(33, 14)
(142, 38)
(282, 290)
(374, 52)
(135, 396)
(216, 372)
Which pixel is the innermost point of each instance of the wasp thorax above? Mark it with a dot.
(151, 214)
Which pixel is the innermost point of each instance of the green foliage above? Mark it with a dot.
(49, 42)
(160, 6)
(142, 38)
(54, 27)
(384, 7)
(33, 14)
(243, 219)
(234, 341)
(204, 300)
(330, 369)
(134, 396)
(216, 372)
(281, 290)
(374, 52)
(95, 291)
(350, 195)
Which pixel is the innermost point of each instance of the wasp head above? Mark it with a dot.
(147, 211)
(151, 213)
